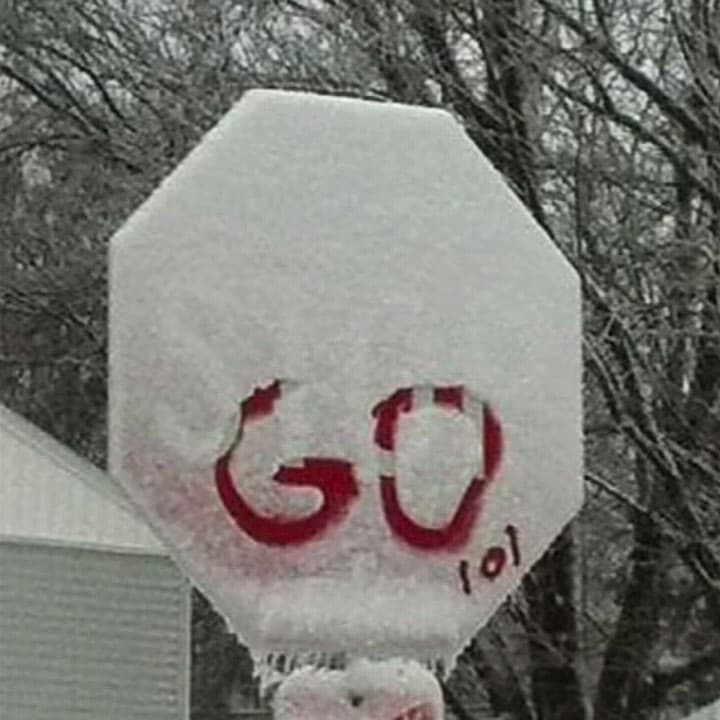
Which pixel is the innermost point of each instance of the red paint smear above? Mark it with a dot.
(419, 712)
(456, 533)
(387, 412)
(334, 478)
(452, 536)
(260, 403)
(451, 396)
(492, 442)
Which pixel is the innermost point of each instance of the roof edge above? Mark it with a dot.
(86, 472)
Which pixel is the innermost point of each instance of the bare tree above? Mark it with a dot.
(603, 115)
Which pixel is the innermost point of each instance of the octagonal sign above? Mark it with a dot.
(345, 376)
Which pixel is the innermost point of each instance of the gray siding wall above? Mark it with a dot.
(88, 635)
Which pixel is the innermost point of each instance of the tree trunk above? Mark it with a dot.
(629, 654)
(556, 686)
(512, 92)
(494, 665)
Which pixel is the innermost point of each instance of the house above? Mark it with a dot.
(94, 616)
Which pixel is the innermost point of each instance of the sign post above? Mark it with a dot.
(345, 379)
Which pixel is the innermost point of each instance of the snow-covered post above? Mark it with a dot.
(365, 690)
(345, 389)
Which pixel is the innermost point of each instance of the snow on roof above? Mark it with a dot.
(49, 494)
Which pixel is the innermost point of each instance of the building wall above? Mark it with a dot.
(91, 635)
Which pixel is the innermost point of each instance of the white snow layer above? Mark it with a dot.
(390, 690)
(352, 248)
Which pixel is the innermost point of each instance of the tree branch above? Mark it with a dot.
(695, 130)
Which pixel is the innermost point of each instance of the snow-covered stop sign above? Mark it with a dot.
(345, 377)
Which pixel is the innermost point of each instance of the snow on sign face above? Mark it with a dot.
(345, 376)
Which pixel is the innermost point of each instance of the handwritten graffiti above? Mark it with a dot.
(335, 479)
(457, 531)
(493, 561)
